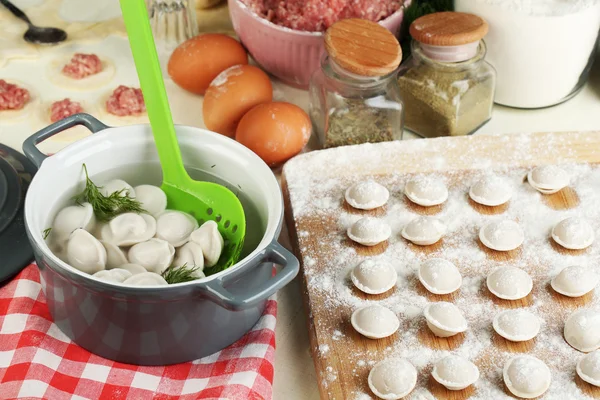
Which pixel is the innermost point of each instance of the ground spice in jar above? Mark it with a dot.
(447, 87)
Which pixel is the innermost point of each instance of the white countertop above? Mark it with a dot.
(294, 371)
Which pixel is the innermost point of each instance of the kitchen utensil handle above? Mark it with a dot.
(30, 144)
(139, 32)
(15, 10)
(274, 253)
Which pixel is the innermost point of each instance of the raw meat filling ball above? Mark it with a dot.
(82, 65)
(125, 101)
(63, 109)
(12, 97)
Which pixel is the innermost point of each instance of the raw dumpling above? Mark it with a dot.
(490, 191)
(85, 252)
(146, 279)
(133, 268)
(582, 330)
(509, 283)
(573, 233)
(502, 235)
(439, 276)
(426, 191)
(367, 195)
(155, 255)
(575, 281)
(444, 319)
(115, 256)
(73, 217)
(516, 325)
(455, 372)
(526, 376)
(548, 179)
(152, 199)
(392, 379)
(128, 229)
(116, 275)
(424, 230)
(369, 231)
(190, 254)
(117, 185)
(375, 321)
(210, 240)
(175, 227)
(374, 276)
(588, 368)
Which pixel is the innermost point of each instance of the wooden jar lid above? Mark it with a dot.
(363, 47)
(448, 29)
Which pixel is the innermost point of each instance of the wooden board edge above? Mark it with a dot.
(312, 331)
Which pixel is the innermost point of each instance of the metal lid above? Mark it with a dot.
(16, 173)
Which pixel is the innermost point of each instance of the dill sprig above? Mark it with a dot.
(46, 233)
(181, 274)
(106, 207)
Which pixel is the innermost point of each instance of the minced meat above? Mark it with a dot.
(318, 15)
(125, 101)
(63, 109)
(12, 97)
(82, 66)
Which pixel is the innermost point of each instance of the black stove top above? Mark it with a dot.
(16, 173)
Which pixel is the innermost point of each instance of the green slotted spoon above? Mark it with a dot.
(204, 200)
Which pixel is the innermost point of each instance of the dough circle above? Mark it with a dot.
(15, 116)
(89, 83)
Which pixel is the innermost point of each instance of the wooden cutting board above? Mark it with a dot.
(317, 217)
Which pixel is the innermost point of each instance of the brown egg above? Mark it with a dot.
(274, 131)
(232, 94)
(197, 61)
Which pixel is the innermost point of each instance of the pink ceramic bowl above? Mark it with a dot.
(290, 55)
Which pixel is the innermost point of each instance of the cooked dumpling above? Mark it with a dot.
(526, 376)
(490, 191)
(133, 268)
(175, 227)
(444, 319)
(128, 229)
(152, 199)
(455, 372)
(516, 325)
(582, 330)
(502, 235)
(117, 185)
(367, 195)
(369, 231)
(374, 276)
(509, 283)
(573, 233)
(115, 256)
(70, 218)
(117, 275)
(85, 252)
(375, 321)
(155, 255)
(424, 230)
(426, 191)
(210, 240)
(588, 368)
(575, 281)
(548, 179)
(190, 255)
(392, 379)
(439, 276)
(146, 279)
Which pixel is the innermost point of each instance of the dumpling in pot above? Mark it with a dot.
(70, 218)
(117, 185)
(152, 199)
(85, 252)
(155, 255)
(128, 229)
(210, 240)
(190, 255)
(175, 227)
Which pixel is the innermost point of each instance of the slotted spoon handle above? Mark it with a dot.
(145, 57)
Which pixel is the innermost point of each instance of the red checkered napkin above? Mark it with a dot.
(38, 361)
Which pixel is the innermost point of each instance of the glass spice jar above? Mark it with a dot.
(447, 86)
(354, 96)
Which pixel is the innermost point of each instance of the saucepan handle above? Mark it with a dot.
(30, 144)
(274, 253)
